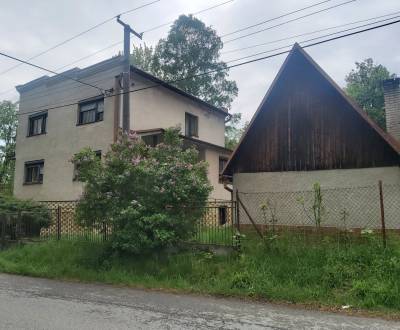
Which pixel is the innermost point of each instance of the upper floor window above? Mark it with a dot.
(191, 125)
(221, 164)
(34, 172)
(37, 124)
(91, 111)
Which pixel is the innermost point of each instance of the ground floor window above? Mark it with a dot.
(34, 172)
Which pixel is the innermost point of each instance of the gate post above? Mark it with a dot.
(237, 211)
(382, 213)
(3, 230)
(58, 222)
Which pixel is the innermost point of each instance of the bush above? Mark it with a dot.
(151, 196)
(32, 215)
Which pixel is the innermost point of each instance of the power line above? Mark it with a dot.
(312, 39)
(289, 21)
(307, 33)
(227, 67)
(275, 18)
(79, 34)
(116, 43)
(196, 13)
(145, 31)
(51, 71)
(275, 49)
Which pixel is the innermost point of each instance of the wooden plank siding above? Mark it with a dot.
(306, 124)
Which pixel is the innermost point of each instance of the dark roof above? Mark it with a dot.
(184, 137)
(389, 140)
(78, 73)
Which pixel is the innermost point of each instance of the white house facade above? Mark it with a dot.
(58, 117)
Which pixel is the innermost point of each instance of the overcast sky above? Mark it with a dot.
(29, 27)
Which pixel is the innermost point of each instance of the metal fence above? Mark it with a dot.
(375, 207)
(17, 226)
(217, 225)
(214, 227)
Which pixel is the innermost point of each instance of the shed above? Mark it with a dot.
(307, 130)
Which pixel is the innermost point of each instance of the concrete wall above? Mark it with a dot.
(212, 158)
(63, 137)
(162, 108)
(354, 191)
(152, 108)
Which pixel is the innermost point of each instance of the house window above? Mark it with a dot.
(191, 125)
(77, 166)
(34, 172)
(222, 162)
(91, 111)
(152, 140)
(37, 124)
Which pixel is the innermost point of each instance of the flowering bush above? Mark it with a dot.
(152, 196)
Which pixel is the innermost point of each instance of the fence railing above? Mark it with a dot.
(216, 225)
(331, 210)
(16, 226)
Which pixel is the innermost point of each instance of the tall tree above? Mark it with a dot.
(190, 49)
(234, 131)
(8, 129)
(364, 84)
(143, 58)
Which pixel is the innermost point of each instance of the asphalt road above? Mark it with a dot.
(30, 303)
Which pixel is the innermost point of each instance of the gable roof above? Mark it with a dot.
(297, 50)
(78, 73)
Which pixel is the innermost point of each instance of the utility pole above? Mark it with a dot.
(126, 74)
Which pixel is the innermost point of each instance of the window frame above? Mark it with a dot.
(96, 110)
(34, 117)
(34, 163)
(221, 159)
(156, 139)
(189, 130)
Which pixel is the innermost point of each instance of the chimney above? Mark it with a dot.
(392, 106)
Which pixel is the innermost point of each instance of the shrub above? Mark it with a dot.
(151, 196)
(29, 213)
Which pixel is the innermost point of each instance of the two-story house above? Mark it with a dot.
(59, 116)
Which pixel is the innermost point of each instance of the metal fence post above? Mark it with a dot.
(104, 231)
(382, 213)
(58, 222)
(237, 211)
(3, 230)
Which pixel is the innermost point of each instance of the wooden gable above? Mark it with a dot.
(306, 122)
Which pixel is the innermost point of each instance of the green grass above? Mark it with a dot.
(217, 235)
(361, 274)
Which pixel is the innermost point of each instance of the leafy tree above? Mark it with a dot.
(233, 132)
(364, 84)
(191, 48)
(143, 58)
(151, 196)
(8, 128)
